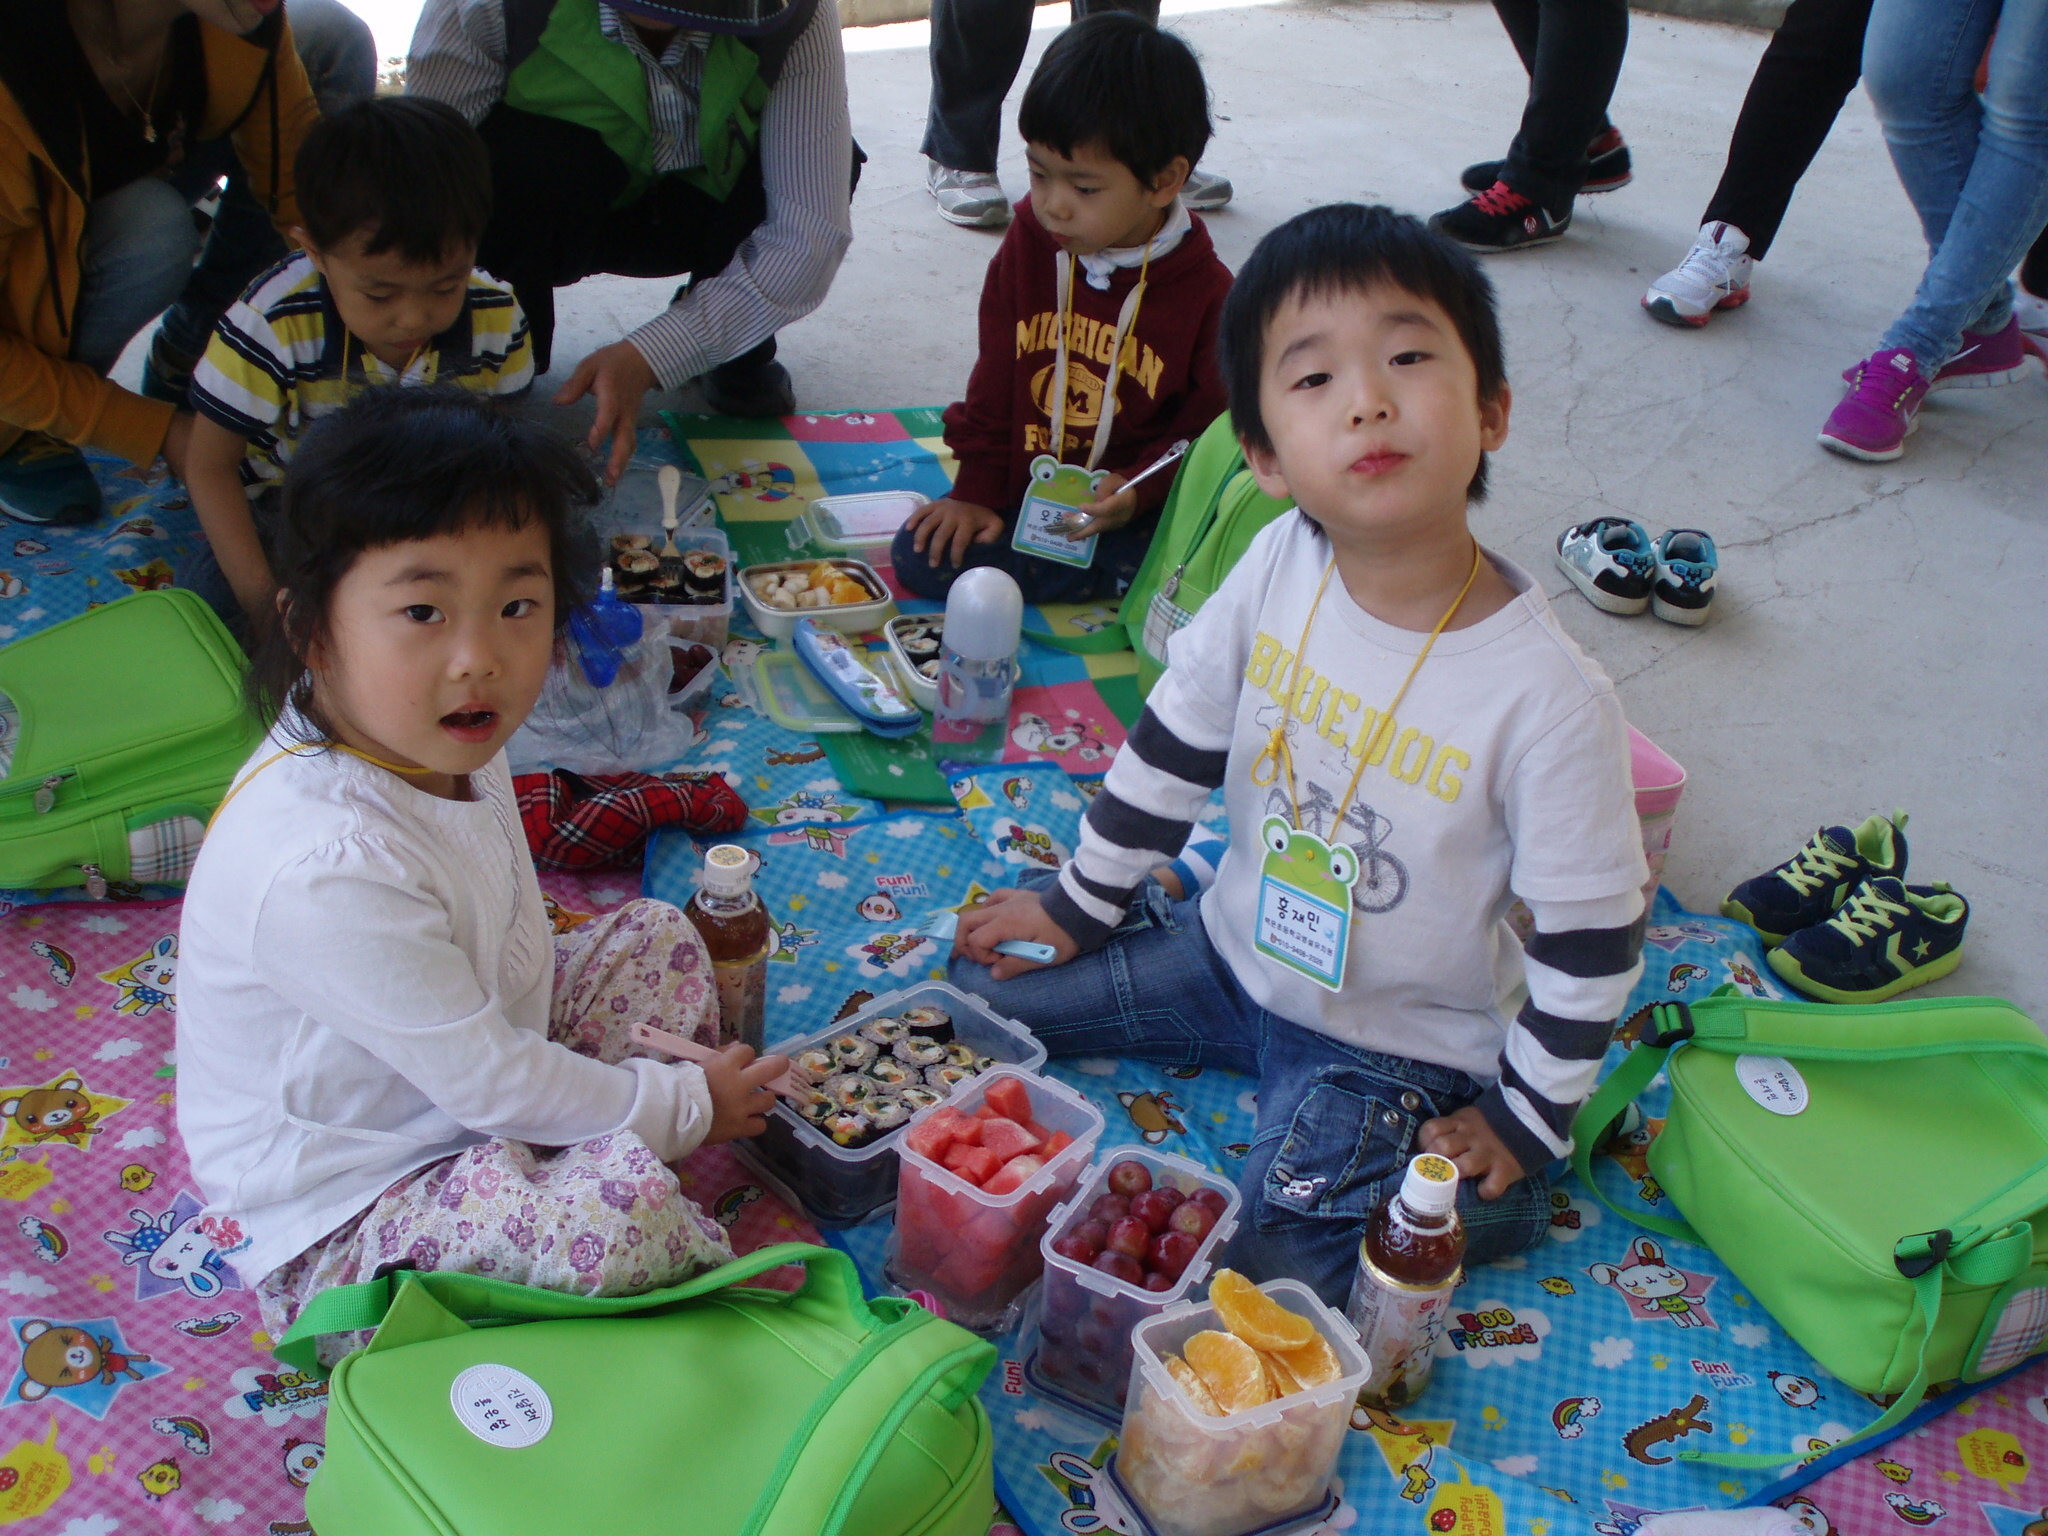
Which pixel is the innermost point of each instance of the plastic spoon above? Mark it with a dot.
(671, 481)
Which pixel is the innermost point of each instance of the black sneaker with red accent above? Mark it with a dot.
(1608, 168)
(1501, 219)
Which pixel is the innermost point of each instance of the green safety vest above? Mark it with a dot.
(573, 72)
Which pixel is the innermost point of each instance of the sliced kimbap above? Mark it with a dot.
(850, 1090)
(946, 1077)
(890, 1072)
(920, 1051)
(849, 1127)
(816, 1063)
(884, 1031)
(851, 1052)
(917, 1097)
(888, 1113)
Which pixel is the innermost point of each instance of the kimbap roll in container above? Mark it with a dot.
(849, 1127)
(853, 1053)
(704, 576)
(920, 1051)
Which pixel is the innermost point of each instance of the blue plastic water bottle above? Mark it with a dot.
(977, 666)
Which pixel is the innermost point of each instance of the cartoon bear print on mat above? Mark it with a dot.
(82, 1364)
(61, 1112)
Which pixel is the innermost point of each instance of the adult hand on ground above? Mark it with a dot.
(619, 377)
(1470, 1141)
(177, 448)
(943, 530)
(1010, 914)
(740, 1095)
(1112, 507)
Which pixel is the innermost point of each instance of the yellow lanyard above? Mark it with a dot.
(1126, 323)
(303, 749)
(1276, 755)
(348, 336)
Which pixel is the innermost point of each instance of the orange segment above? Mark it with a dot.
(1185, 1378)
(1314, 1364)
(1230, 1369)
(1255, 1317)
(1285, 1382)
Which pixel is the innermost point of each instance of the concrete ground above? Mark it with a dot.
(1871, 646)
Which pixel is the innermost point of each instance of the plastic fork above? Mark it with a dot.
(943, 924)
(670, 479)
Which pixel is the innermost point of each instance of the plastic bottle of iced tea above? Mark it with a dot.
(1409, 1262)
(736, 931)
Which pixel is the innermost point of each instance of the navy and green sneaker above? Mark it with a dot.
(47, 483)
(1808, 887)
(1888, 937)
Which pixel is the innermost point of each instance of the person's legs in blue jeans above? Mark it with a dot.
(1977, 172)
(1117, 558)
(340, 57)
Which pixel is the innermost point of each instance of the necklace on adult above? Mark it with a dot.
(117, 78)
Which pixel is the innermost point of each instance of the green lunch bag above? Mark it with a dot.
(126, 726)
(711, 1408)
(1876, 1176)
(1213, 511)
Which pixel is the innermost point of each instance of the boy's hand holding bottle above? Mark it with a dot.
(1006, 915)
(943, 530)
(1470, 1141)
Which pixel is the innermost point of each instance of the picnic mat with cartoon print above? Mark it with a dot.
(1560, 1394)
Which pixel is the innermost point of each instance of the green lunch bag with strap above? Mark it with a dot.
(1876, 1176)
(1213, 511)
(709, 1408)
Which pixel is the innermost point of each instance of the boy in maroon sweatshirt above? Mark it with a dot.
(1115, 117)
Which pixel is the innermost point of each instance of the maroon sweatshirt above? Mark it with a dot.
(1170, 386)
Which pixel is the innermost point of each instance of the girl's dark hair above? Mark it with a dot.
(1116, 80)
(393, 466)
(1348, 248)
(407, 171)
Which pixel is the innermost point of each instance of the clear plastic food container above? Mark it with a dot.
(859, 524)
(794, 699)
(1195, 1474)
(847, 618)
(1082, 1355)
(707, 623)
(924, 690)
(978, 1252)
(844, 1186)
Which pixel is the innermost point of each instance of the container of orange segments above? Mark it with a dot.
(1238, 1407)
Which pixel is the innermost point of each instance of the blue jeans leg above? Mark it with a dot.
(1117, 558)
(139, 244)
(1977, 171)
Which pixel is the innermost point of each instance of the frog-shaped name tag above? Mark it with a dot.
(1304, 918)
(1057, 492)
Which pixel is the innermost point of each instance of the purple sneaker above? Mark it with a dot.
(1881, 409)
(1983, 360)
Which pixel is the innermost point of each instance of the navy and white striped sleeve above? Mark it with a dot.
(1581, 963)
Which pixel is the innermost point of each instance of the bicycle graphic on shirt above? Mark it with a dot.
(1382, 878)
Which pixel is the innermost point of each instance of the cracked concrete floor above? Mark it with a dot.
(1879, 635)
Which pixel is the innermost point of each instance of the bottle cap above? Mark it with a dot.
(728, 871)
(1430, 1187)
(984, 615)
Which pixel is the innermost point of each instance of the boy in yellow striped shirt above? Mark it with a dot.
(395, 193)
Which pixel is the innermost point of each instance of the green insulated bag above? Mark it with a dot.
(121, 730)
(1876, 1176)
(710, 1408)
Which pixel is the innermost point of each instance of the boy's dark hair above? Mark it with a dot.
(1349, 247)
(1115, 80)
(408, 172)
(396, 465)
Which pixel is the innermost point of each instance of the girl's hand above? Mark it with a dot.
(1469, 1141)
(740, 1095)
(944, 529)
(1010, 914)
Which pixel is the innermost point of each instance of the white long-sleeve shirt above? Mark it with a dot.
(784, 269)
(1505, 774)
(364, 979)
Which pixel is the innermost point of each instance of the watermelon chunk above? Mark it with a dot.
(1008, 1098)
(945, 1127)
(1055, 1144)
(977, 1165)
(1013, 1175)
(1008, 1139)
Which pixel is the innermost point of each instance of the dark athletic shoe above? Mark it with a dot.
(1607, 167)
(1888, 938)
(1810, 886)
(1501, 219)
(46, 483)
(751, 385)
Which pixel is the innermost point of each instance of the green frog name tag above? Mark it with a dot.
(1304, 915)
(1057, 492)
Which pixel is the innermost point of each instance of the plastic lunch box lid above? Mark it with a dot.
(1096, 1180)
(1083, 1121)
(1296, 1297)
(957, 1003)
(795, 699)
(863, 521)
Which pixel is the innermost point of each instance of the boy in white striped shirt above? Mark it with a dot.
(1407, 742)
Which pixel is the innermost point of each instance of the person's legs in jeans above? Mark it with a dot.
(1576, 60)
(1117, 557)
(1977, 173)
(975, 50)
(340, 57)
(1811, 64)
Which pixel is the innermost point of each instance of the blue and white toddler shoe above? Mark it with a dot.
(1687, 565)
(1610, 560)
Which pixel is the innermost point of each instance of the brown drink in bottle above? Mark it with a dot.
(1409, 1263)
(735, 929)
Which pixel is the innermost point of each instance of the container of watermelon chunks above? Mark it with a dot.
(1137, 1238)
(979, 1175)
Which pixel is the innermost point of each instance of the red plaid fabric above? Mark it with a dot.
(575, 822)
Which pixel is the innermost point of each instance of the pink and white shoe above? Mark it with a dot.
(1984, 360)
(1881, 410)
(2032, 313)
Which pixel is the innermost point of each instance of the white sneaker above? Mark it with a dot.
(1205, 191)
(2032, 314)
(971, 198)
(1714, 275)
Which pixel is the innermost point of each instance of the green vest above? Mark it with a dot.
(578, 75)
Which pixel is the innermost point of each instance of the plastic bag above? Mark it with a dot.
(624, 726)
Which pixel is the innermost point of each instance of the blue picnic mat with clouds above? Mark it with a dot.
(1559, 1399)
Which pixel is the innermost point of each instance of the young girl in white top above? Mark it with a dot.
(384, 1057)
